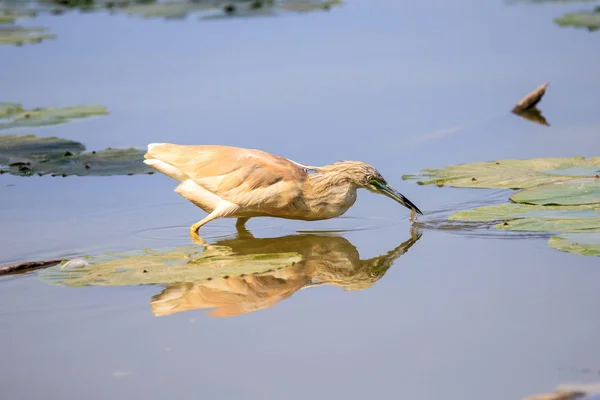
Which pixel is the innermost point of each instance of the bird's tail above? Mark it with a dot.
(152, 158)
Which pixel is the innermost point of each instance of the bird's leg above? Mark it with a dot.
(194, 228)
(224, 209)
(241, 223)
(242, 231)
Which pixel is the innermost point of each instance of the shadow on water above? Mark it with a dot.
(237, 275)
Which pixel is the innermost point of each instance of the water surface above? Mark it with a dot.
(400, 85)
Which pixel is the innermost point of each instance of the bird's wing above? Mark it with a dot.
(243, 176)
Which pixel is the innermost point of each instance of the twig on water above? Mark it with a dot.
(531, 100)
(27, 266)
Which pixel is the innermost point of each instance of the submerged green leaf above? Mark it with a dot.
(508, 174)
(166, 266)
(49, 116)
(586, 244)
(568, 192)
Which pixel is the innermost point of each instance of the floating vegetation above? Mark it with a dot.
(568, 192)
(232, 276)
(586, 244)
(589, 20)
(11, 34)
(9, 16)
(559, 195)
(552, 225)
(550, 1)
(27, 155)
(163, 266)
(558, 395)
(19, 36)
(11, 12)
(172, 9)
(581, 19)
(18, 117)
(509, 174)
(512, 211)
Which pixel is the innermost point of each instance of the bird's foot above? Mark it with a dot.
(194, 234)
(196, 238)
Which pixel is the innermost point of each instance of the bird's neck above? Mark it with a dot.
(328, 195)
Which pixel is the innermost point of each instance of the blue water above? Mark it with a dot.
(400, 85)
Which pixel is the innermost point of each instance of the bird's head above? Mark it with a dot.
(366, 176)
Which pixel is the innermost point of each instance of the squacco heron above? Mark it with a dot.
(232, 182)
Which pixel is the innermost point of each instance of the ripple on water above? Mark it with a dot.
(353, 224)
(437, 220)
(180, 233)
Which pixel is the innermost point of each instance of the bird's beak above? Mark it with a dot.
(393, 194)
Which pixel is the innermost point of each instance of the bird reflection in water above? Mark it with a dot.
(326, 260)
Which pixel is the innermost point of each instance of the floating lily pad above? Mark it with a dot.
(17, 35)
(559, 194)
(48, 116)
(589, 20)
(8, 109)
(7, 19)
(24, 149)
(511, 211)
(172, 9)
(235, 275)
(306, 6)
(221, 9)
(8, 16)
(184, 264)
(569, 192)
(587, 244)
(107, 162)
(26, 155)
(551, 225)
(535, 218)
(507, 174)
(558, 395)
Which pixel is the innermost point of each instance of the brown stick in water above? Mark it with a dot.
(26, 266)
(530, 101)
